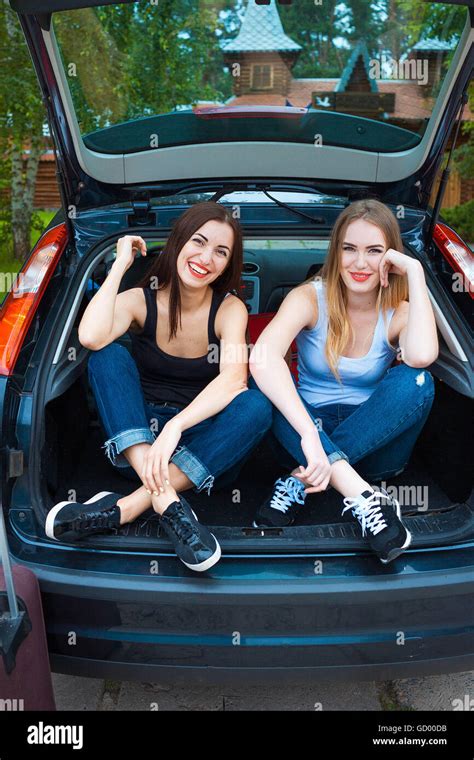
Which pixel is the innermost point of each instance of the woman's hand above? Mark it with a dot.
(394, 262)
(155, 470)
(127, 246)
(318, 471)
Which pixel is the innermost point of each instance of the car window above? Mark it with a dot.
(146, 75)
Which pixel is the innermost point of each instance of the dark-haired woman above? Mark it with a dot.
(177, 410)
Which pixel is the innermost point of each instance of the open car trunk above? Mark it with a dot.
(433, 491)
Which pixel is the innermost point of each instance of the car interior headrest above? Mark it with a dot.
(313, 270)
(139, 268)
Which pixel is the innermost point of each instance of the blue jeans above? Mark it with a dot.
(217, 445)
(379, 434)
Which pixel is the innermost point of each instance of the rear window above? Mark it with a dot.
(155, 74)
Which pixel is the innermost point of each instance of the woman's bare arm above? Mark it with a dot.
(418, 337)
(272, 375)
(109, 313)
(267, 360)
(413, 322)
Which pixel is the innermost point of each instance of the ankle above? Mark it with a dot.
(161, 502)
(127, 514)
(296, 474)
(365, 493)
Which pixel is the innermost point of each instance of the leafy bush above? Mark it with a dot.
(461, 218)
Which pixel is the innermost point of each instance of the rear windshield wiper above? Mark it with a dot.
(319, 220)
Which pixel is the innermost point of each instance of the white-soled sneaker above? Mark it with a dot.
(380, 519)
(194, 544)
(283, 505)
(73, 520)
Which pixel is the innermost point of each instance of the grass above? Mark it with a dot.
(9, 266)
(389, 698)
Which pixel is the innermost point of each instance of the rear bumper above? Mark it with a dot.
(261, 618)
(209, 674)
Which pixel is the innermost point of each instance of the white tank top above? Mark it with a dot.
(359, 377)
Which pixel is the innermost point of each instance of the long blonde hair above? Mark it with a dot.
(340, 330)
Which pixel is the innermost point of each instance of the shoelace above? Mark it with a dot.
(91, 520)
(368, 514)
(286, 492)
(184, 530)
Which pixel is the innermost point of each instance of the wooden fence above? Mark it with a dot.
(46, 190)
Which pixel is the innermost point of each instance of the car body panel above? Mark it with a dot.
(142, 615)
(327, 616)
(93, 178)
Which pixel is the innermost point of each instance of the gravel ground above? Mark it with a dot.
(433, 693)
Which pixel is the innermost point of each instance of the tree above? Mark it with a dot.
(314, 27)
(128, 62)
(431, 20)
(443, 22)
(463, 156)
(22, 116)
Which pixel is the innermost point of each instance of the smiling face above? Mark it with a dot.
(363, 246)
(206, 254)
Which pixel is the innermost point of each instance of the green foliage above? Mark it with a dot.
(128, 62)
(20, 99)
(93, 64)
(463, 156)
(387, 26)
(313, 27)
(431, 20)
(21, 126)
(461, 218)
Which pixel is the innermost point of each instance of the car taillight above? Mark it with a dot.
(456, 253)
(19, 306)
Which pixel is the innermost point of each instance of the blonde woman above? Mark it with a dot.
(351, 407)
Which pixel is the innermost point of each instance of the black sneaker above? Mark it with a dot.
(381, 515)
(282, 506)
(194, 544)
(72, 520)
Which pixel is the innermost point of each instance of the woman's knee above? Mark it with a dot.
(280, 426)
(113, 353)
(258, 406)
(414, 381)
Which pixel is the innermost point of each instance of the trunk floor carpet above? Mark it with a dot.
(236, 505)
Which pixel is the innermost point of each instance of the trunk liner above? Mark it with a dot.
(93, 473)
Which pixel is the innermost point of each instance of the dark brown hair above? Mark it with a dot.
(164, 269)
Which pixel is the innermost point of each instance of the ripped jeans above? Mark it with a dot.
(217, 445)
(378, 435)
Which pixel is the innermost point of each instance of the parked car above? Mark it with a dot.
(306, 600)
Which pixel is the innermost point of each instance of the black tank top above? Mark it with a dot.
(171, 379)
